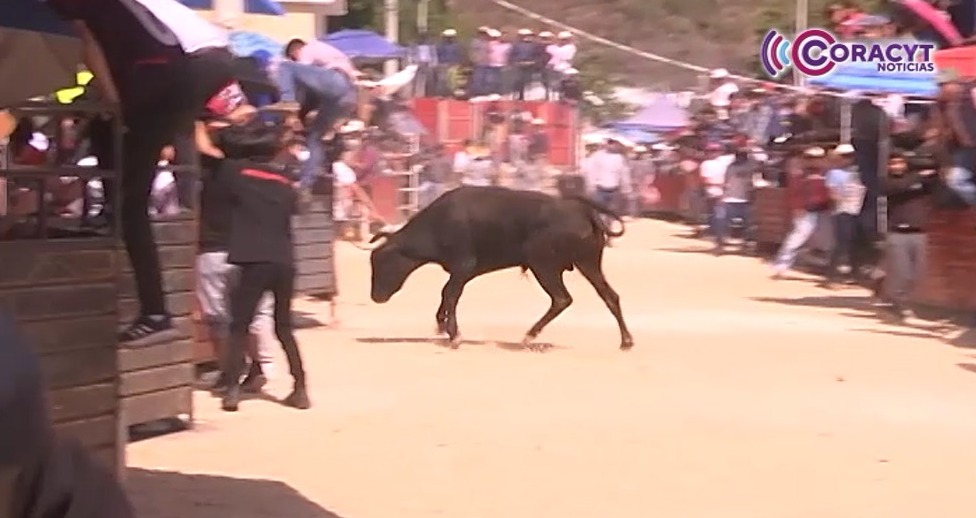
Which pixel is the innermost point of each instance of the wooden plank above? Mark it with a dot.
(315, 235)
(171, 256)
(31, 304)
(138, 358)
(81, 367)
(71, 334)
(178, 232)
(157, 378)
(154, 406)
(93, 432)
(316, 282)
(311, 221)
(311, 266)
(36, 266)
(79, 402)
(178, 304)
(174, 280)
(313, 251)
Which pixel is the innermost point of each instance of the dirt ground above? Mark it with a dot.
(744, 397)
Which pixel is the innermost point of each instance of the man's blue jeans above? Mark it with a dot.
(960, 175)
(336, 97)
(724, 214)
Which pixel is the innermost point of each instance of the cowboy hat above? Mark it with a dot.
(545, 34)
(525, 32)
(844, 149)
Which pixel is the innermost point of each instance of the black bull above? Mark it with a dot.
(472, 231)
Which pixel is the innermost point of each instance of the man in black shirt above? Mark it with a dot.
(908, 214)
(260, 244)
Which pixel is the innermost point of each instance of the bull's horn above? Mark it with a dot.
(375, 242)
(382, 234)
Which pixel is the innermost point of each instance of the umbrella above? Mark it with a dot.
(37, 48)
(358, 43)
(931, 18)
(269, 7)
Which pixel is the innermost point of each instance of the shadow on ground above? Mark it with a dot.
(857, 303)
(166, 494)
(442, 342)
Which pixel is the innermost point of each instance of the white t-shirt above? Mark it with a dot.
(713, 173)
(721, 96)
(344, 175)
(461, 161)
(193, 32)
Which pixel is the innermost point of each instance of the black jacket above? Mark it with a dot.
(264, 200)
(908, 201)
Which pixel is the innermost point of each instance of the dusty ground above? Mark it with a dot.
(744, 397)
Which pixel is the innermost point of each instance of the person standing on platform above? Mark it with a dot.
(542, 61)
(450, 55)
(160, 63)
(522, 60)
(478, 54)
(847, 192)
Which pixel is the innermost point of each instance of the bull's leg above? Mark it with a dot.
(550, 277)
(591, 269)
(447, 312)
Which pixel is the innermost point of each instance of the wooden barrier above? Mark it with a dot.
(62, 292)
(62, 295)
(771, 213)
(950, 281)
(157, 380)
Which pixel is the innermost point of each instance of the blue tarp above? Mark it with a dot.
(638, 136)
(270, 7)
(662, 114)
(866, 78)
(358, 43)
(246, 44)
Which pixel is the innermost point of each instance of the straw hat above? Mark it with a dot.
(353, 126)
(814, 152)
(7, 124)
(525, 32)
(545, 34)
(844, 149)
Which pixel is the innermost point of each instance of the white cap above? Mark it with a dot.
(571, 71)
(545, 34)
(525, 32)
(565, 35)
(494, 33)
(537, 121)
(450, 33)
(719, 73)
(814, 152)
(484, 28)
(844, 149)
(353, 126)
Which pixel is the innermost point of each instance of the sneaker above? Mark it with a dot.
(282, 106)
(149, 330)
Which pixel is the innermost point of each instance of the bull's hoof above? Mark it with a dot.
(627, 344)
(530, 344)
(440, 328)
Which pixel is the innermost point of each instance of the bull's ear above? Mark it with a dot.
(378, 236)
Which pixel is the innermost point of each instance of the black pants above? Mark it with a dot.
(847, 231)
(254, 280)
(173, 97)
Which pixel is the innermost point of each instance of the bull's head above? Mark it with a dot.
(391, 264)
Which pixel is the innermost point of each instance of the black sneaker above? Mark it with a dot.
(149, 331)
(253, 383)
(232, 398)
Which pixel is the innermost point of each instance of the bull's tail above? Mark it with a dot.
(598, 210)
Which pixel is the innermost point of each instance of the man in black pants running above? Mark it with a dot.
(260, 244)
(160, 63)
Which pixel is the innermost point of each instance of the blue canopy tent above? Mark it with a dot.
(37, 48)
(865, 77)
(246, 44)
(363, 44)
(269, 7)
(661, 115)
